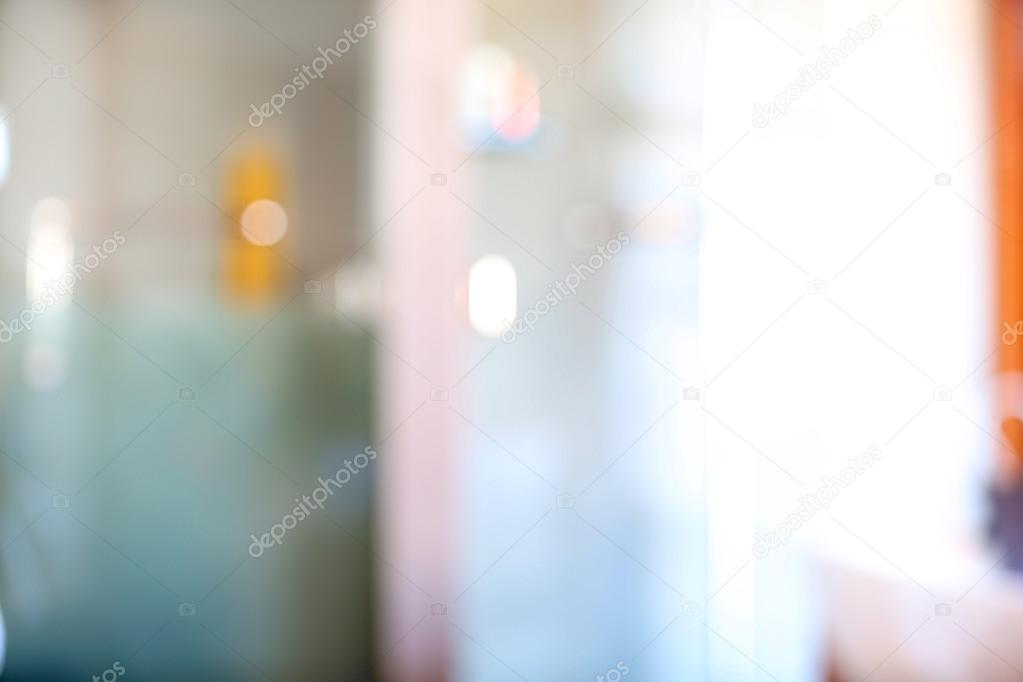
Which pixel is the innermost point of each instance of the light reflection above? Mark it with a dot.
(492, 295)
(264, 222)
(50, 247)
(499, 97)
(5, 149)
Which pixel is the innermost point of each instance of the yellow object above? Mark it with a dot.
(251, 270)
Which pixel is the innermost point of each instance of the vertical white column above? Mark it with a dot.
(420, 48)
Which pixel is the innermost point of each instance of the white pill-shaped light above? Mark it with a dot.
(5, 151)
(492, 295)
(50, 246)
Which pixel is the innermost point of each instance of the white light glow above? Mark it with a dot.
(492, 295)
(5, 151)
(499, 96)
(357, 289)
(264, 222)
(50, 247)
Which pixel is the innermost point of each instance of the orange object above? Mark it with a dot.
(251, 271)
(1013, 430)
(1008, 149)
(1008, 233)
